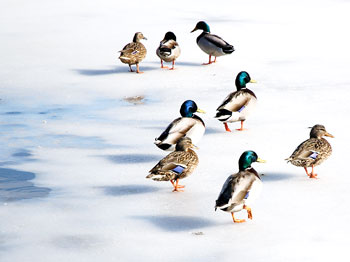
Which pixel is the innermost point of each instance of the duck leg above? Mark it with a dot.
(173, 67)
(249, 211)
(177, 186)
(227, 128)
(138, 69)
(306, 171)
(214, 60)
(208, 62)
(161, 62)
(131, 69)
(235, 220)
(241, 129)
(313, 175)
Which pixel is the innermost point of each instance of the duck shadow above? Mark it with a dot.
(211, 131)
(180, 63)
(15, 185)
(133, 158)
(177, 223)
(125, 190)
(112, 70)
(275, 176)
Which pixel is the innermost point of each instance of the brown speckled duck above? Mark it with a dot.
(134, 52)
(313, 151)
(177, 165)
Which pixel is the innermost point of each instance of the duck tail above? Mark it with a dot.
(223, 114)
(228, 49)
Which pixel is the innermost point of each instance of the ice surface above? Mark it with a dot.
(76, 148)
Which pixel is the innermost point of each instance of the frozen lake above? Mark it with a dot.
(75, 152)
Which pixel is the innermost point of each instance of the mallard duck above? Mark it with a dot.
(189, 125)
(134, 52)
(177, 165)
(242, 188)
(168, 50)
(239, 104)
(213, 45)
(313, 151)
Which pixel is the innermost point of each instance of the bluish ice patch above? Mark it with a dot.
(22, 153)
(13, 113)
(15, 185)
(133, 158)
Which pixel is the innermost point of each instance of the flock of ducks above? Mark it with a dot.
(181, 135)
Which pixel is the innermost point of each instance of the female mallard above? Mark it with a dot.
(177, 165)
(168, 49)
(213, 45)
(313, 151)
(189, 125)
(239, 104)
(134, 52)
(242, 188)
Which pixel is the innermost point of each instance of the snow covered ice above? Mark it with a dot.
(75, 152)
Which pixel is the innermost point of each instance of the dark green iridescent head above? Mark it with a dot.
(246, 159)
(202, 26)
(242, 79)
(188, 108)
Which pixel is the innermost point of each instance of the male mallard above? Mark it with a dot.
(177, 165)
(237, 105)
(189, 125)
(134, 52)
(168, 50)
(242, 188)
(213, 45)
(313, 151)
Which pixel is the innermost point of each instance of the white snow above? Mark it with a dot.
(76, 154)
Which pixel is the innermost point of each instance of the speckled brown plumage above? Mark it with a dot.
(182, 158)
(134, 52)
(312, 151)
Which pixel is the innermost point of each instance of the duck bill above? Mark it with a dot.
(195, 29)
(144, 38)
(252, 81)
(200, 111)
(260, 160)
(194, 147)
(328, 134)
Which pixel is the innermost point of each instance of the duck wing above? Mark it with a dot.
(307, 150)
(218, 41)
(177, 129)
(235, 189)
(237, 101)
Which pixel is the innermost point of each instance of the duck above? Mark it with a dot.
(134, 52)
(210, 44)
(313, 151)
(176, 165)
(168, 50)
(241, 189)
(239, 104)
(189, 125)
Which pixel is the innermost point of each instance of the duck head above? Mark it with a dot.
(188, 108)
(318, 131)
(202, 26)
(138, 36)
(169, 36)
(184, 143)
(247, 158)
(242, 79)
